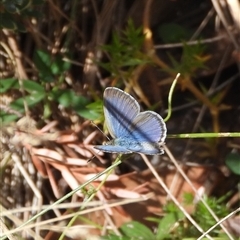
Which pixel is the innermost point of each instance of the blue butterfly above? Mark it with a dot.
(132, 130)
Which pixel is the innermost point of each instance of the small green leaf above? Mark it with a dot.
(88, 114)
(165, 226)
(32, 87)
(30, 100)
(188, 198)
(233, 162)
(8, 83)
(97, 105)
(47, 111)
(92, 111)
(59, 66)
(43, 63)
(28, 85)
(69, 98)
(79, 104)
(136, 230)
(7, 117)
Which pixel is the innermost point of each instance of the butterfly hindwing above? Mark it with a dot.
(148, 126)
(113, 149)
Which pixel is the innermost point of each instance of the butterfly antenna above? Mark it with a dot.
(90, 159)
(100, 130)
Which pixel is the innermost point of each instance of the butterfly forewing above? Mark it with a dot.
(120, 109)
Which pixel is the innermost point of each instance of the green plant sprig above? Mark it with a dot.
(205, 135)
(170, 98)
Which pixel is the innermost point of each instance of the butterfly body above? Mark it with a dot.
(132, 130)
